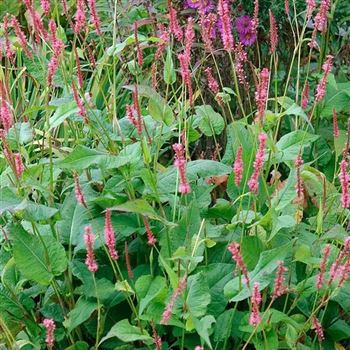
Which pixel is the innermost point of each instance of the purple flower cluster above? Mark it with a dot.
(203, 5)
(246, 33)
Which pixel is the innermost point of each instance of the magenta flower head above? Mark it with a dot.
(246, 33)
(203, 5)
(50, 327)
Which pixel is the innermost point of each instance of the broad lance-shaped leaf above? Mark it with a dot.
(83, 157)
(158, 107)
(138, 206)
(210, 122)
(127, 333)
(197, 168)
(80, 313)
(288, 146)
(263, 273)
(33, 260)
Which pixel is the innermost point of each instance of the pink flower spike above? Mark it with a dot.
(344, 182)
(139, 53)
(78, 191)
(50, 327)
(150, 235)
(305, 95)
(45, 6)
(94, 16)
(180, 163)
(212, 83)
(238, 166)
(21, 37)
(226, 25)
(321, 87)
(234, 249)
(279, 289)
(19, 165)
(110, 236)
(321, 17)
(170, 306)
(335, 124)
(261, 94)
(320, 277)
(255, 21)
(90, 256)
(273, 33)
(80, 19)
(255, 300)
(174, 26)
(253, 182)
(311, 5)
(316, 325)
(299, 185)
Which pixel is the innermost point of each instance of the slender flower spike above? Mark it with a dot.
(323, 266)
(110, 236)
(21, 37)
(127, 261)
(234, 249)
(164, 37)
(5, 113)
(50, 327)
(174, 25)
(299, 185)
(305, 95)
(80, 19)
(94, 16)
(279, 289)
(189, 36)
(184, 60)
(45, 5)
(150, 235)
(261, 93)
(255, 21)
(335, 124)
(310, 7)
(316, 325)
(241, 57)
(135, 97)
(78, 191)
(321, 87)
(170, 306)
(18, 165)
(79, 72)
(255, 300)
(139, 53)
(157, 340)
(90, 261)
(321, 17)
(212, 83)
(238, 167)
(226, 25)
(207, 26)
(253, 182)
(273, 33)
(82, 111)
(344, 182)
(286, 7)
(180, 164)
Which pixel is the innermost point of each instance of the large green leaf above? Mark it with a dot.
(127, 333)
(138, 206)
(210, 122)
(63, 112)
(157, 107)
(197, 168)
(83, 157)
(8, 200)
(80, 313)
(38, 260)
(263, 273)
(289, 145)
(169, 71)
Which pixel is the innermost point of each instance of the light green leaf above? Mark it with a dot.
(63, 112)
(169, 71)
(127, 333)
(80, 313)
(33, 260)
(21, 132)
(138, 206)
(203, 328)
(198, 297)
(263, 273)
(210, 122)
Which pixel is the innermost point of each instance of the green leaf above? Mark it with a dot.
(263, 273)
(339, 330)
(127, 333)
(83, 157)
(169, 71)
(210, 122)
(251, 247)
(197, 168)
(8, 200)
(151, 289)
(198, 297)
(138, 206)
(64, 111)
(288, 146)
(158, 108)
(33, 260)
(80, 313)
(21, 133)
(79, 345)
(279, 222)
(203, 327)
